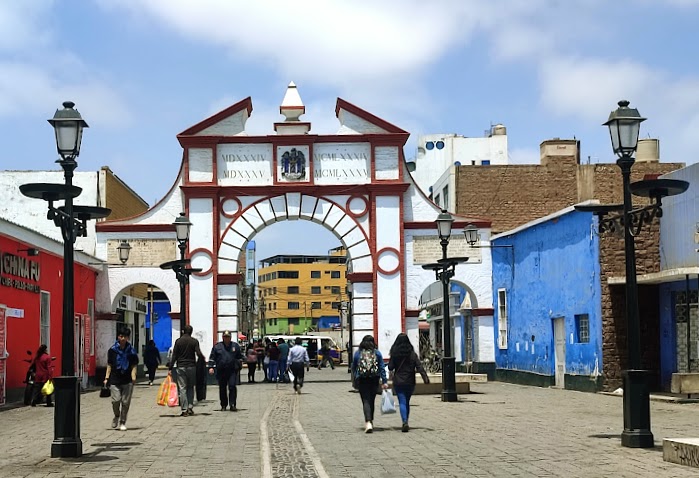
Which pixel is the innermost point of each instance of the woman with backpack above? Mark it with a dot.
(367, 369)
(404, 363)
(251, 359)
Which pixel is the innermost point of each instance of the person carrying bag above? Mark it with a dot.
(404, 363)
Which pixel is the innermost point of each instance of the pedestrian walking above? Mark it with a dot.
(121, 376)
(273, 365)
(283, 360)
(228, 359)
(251, 359)
(325, 353)
(260, 351)
(43, 372)
(298, 358)
(367, 371)
(184, 357)
(151, 358)
(403, 364)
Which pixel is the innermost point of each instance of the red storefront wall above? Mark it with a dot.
(24, 333)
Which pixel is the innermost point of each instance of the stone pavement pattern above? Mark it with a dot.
(501, 430)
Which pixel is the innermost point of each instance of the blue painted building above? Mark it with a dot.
(547, 302)
(677, 280)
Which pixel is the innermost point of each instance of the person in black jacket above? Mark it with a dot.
(184, 356)
(151, 358)
(227, 357)
(404, 363)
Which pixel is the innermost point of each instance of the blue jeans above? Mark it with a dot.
(272, 370)
(404, 393)
(282, 369)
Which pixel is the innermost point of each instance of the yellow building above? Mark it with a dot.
(299, 293)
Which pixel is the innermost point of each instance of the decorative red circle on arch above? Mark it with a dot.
(211, 257)
(378, 258)
(224, 213)
(349, 200)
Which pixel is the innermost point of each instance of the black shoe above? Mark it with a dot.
(190, 412)
(184, 414)
(405, 427)
(233, 408)
(223, 409)
(49, 404)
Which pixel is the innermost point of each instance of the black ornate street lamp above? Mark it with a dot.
(181, 265)
(68, 126)
(444, 271)
(624, 124)
(124, 250)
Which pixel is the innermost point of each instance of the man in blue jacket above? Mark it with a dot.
(227, 357)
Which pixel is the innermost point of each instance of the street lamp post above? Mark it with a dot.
(72, 220)
(181, 266)
(444, 271)
(624, 124)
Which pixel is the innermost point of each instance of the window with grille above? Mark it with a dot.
(315, 290)
(582, 327)
(45, 319)
(335, 290)
(315, 274)
(502, 319)
(288, 274)
(336, 305)
(292, 305)
(315, 305)
(292, 290)
(335, 274)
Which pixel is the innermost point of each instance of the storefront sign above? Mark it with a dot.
(19, 272)
(17, 313)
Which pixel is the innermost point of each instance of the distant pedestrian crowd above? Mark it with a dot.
(280, 361)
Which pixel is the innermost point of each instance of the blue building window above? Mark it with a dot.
(582, 327)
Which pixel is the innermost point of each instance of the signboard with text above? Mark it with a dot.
(427, 249)
(87, 325)
(3, 353)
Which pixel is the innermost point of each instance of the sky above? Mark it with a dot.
(140, 72)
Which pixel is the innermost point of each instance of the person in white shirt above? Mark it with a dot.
(298, 358)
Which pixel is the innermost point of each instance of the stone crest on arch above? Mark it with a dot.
(293, 165)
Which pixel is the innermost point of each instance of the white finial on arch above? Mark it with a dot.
(292, 107)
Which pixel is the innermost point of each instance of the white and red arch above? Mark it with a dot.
(375, 215)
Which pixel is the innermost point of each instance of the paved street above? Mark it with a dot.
(501, 430)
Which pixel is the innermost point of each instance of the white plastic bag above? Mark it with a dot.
(387, 403)
(291, 375)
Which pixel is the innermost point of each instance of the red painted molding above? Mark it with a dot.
(482, 311)
(221, 115)
(175, 316)
(412, 313)
(454, 226)
(109, 227)
(385, 189)
(230, 278)
(365, 115)
(360, 277)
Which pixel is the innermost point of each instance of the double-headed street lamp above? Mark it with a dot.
(181, 265)
(444, 271)
(72, 220)
(624, 124)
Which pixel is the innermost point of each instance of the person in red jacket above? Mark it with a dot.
(44, 373)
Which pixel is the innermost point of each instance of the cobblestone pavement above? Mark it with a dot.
(501, 430)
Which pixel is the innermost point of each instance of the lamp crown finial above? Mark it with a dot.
(68, 104)
(623, 103)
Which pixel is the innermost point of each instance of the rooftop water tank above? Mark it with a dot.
(648, 151)
(499, 130)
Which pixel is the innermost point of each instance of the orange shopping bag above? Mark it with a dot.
(172, 400)
(163, 391)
